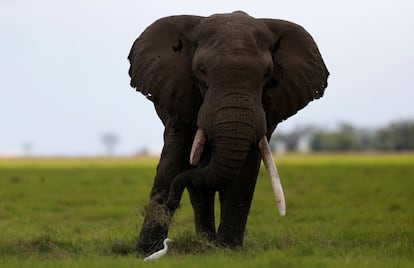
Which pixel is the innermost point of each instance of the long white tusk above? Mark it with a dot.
(273, 175)
(197, 148)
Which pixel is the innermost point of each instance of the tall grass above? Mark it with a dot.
(342, 211)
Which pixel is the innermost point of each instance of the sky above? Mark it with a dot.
(64, 71)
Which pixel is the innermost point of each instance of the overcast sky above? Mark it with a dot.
(64, 73)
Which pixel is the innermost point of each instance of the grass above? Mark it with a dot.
(342, 211)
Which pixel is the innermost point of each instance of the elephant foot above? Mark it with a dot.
(150, 239)
(210, 235)
(155, 228)
(229, 239)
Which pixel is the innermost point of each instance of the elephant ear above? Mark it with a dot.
(299, 73)
(161, 67)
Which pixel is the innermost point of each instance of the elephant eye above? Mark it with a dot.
(259, 43)
(201, 74)
(202, 70)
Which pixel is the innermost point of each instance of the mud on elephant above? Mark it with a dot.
(220, 85)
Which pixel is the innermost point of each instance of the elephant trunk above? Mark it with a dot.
(230, 140)
(268, 161)
(236, 129)
(230, 145)
(236, 126)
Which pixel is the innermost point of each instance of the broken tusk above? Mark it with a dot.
(197, 148)
(273, 175)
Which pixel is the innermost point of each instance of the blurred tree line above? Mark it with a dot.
(395, 137)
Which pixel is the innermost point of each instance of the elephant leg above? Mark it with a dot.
(235, 202)
(202, 201)
(174, 159)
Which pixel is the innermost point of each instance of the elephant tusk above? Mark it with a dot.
(273, 175)
(197, 148)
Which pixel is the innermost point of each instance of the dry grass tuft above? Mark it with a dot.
(157, 214)
(190, 243)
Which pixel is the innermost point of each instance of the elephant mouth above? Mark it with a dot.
(269, 163)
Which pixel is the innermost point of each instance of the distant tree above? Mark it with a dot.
(398, 136)
(365, 138)
(27, 148)
(346, 138)
(109, 140)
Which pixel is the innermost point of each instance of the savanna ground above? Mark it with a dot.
(342, 211)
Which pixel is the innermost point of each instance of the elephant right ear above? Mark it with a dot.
(161, 67)
(299, 72)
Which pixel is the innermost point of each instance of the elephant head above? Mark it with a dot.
(231, 77)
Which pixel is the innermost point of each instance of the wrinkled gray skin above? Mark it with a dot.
(235, 78)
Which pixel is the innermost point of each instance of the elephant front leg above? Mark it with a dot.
(174, 159)
(235, 203)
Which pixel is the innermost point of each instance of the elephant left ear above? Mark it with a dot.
(299, 73)
(160, 68)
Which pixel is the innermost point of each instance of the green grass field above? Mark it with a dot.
(342, 211)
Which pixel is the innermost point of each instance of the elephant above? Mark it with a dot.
(220, 85)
